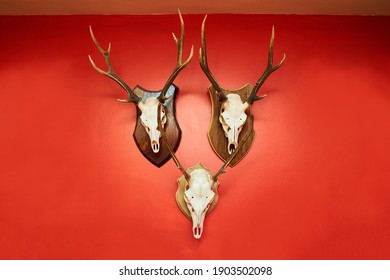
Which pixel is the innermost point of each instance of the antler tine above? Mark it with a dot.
(164, 136)
(223, 168)
(268, 71)
(204, 64)
(179, 65)
(110, 72)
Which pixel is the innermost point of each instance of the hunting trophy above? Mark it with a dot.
(146, 134)
(197, 193)
(231, 108)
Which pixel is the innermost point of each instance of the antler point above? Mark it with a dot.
(204, 21)
(192, 51)
(174, 37)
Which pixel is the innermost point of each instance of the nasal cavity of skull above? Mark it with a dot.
(197, 231)
(155, 146)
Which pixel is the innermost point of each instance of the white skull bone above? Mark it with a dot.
(149, 121)
(198, 197)
(233, 117)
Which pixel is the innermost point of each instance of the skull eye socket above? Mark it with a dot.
(145, 125)
(223, 110)
(164, 119)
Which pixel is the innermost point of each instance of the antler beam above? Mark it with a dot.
(204, 64)
(164, 136)
(179, 65)
(110, 72)
(267, 72)
(223, 168)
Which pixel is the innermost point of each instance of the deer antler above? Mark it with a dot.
(223, 168)
(268, 71)
(204, 64)
(110, 72)
(179, 65)
(164, 136)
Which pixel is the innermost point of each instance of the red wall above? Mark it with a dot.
(315, 184)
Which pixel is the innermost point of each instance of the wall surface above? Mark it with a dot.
(315, 184)
(126, 7)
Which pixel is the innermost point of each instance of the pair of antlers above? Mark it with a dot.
(132, 96)
(267, 72)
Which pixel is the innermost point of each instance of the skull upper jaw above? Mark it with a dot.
(148, 119)
(233, 117)
(198, 217)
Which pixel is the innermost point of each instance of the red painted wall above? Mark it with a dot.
(315, 184)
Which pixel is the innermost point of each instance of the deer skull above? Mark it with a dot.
(149, 107)
(233, 117)
(198, 197)
(149, 121)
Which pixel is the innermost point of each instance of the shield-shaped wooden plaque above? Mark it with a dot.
(216, 135)
(172, 129)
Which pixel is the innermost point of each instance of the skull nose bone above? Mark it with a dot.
(197, 231)
(155, 146)
(231, 148)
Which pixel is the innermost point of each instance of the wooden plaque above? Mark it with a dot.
(216, 135)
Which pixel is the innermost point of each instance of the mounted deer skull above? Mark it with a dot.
(197, 193)
(147, 102)
(231, 107)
